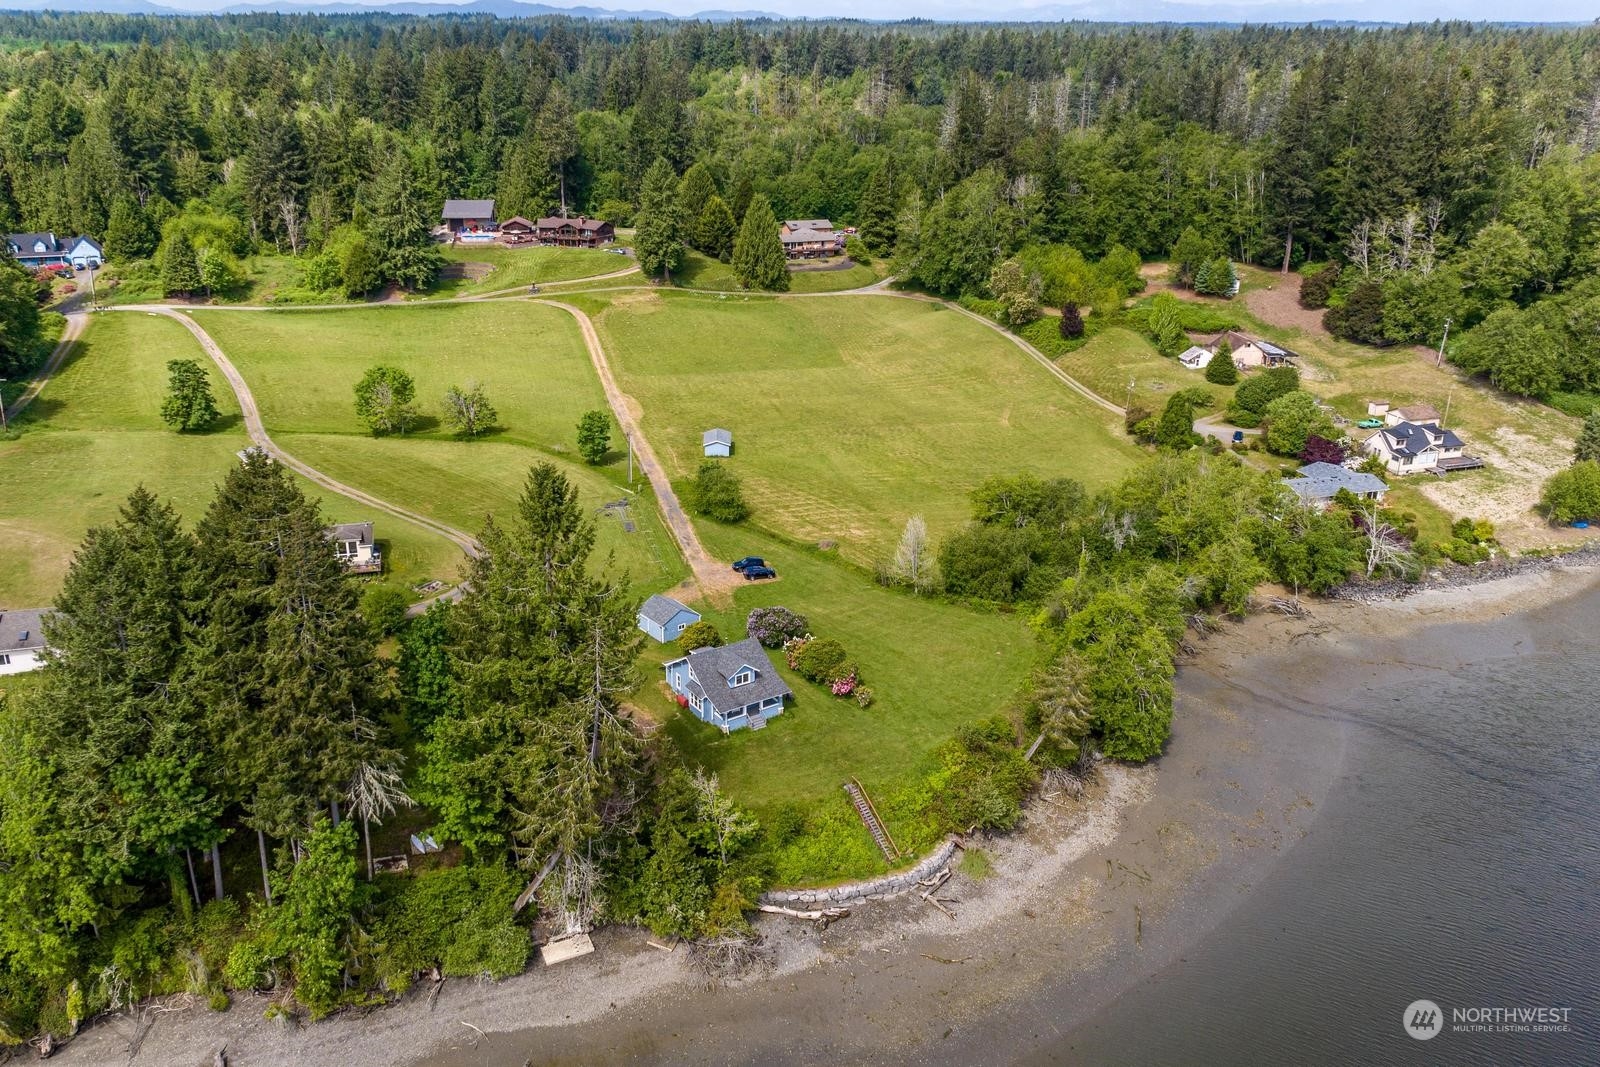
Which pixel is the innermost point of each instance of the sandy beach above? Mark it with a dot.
(1087, 898)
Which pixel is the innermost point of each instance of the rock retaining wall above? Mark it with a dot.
(890, 885)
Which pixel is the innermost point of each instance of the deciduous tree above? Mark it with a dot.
(594, 436)
(467, 409)
(383, 399)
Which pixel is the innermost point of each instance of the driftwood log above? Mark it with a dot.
(829, 914)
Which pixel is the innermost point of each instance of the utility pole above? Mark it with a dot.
(629, 436)
(1129, 405)
(1440, 361)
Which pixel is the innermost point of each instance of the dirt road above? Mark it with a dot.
(712, 577)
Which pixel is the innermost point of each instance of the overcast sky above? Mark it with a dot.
(1114, 10)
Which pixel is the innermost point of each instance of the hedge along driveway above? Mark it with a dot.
(851, 413)
(303, 366)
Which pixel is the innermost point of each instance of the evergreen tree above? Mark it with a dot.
(1221, 371)
(129, 234)
(715, 230)
(658, 238)
(20, 350)
(743, 192)
(695, 190)
(123, 773)
(535, 750)
(877, 211)
(402, 226)
(1190, 255)
(189, 404)
(1588, 445)
(758, 258)
(180, 266)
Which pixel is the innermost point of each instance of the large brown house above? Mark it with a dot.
(809, 237)
(574, 233)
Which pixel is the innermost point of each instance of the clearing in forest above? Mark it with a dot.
(96, 432)
(849, 414)
(303, 366)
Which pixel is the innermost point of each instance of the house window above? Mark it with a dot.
(742, 678)
(5, 660)
(348, 548)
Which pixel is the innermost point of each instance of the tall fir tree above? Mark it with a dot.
(180, 266)
(658, 238)
(758, 259)
(534, 750)
(877, 212)
(715, 230)
(695, 190)
(402, 226)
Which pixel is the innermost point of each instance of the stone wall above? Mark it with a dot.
(890, 885)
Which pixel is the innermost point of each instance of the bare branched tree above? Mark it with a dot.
(913, 558)
(289, 212)
(718, 812)
(374, 793)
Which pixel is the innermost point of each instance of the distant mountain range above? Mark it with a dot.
(505, 9)
(1280, 12)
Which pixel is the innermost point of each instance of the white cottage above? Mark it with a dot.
(353, 543)
(21, 640)
(718, 443)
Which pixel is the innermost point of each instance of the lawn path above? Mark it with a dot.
(76, 321)
(259, 437)
(713, 578)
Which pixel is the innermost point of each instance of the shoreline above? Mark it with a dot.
(1088, 897)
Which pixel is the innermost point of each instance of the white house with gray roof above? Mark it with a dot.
(1410, 447)
(732, 687)
(718, 443)
(21, 640)
(1317, 484)
(664, 618)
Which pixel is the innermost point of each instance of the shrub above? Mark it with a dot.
(856, 249)
(818, 660)
(1259, 390)
(977, 779)
(1221, 371)
(844, 683)
(1134, 416)
(775, 625)
(1319, 449)
(459, 918)
(384, 608)
(1317, 286)
(717, 494)
(1361, 317)
(1573, 493)
(1071, 326)
(700, 634)
(792, 649)
(864, 696)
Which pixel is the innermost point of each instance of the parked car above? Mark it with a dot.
(1238, 437)
(752, 573)
(1370, 424)
(748, 561)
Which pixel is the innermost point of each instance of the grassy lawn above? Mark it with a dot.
(933, 666)
(1108, 361)
(303, 367)
(851, 414)
(95, 433)
(269, 279)
(702, 272)
(512, 267)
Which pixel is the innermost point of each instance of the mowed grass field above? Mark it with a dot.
(303, 366)
(850, 414)
(95, 433)
(511, 267)
(1111, 359)
(702, 272)
(932, 665)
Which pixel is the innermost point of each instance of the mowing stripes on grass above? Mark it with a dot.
(851, 413)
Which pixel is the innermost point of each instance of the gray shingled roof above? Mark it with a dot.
(713, 667)
(20, 629)
(717, 437)
(24, 242)
(808, 224)
(351, 531)
(583, 225)
(661, 609)
(1413, 439)
(1321, 481)
(469, 209)
(807, 236)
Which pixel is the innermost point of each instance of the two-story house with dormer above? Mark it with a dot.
(731, 687)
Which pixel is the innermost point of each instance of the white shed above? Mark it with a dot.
(718, 442)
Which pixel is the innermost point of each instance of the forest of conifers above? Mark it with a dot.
(1397, 151)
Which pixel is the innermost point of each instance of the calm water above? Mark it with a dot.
(1457, 860)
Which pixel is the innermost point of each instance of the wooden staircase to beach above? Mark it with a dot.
(869, 816)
